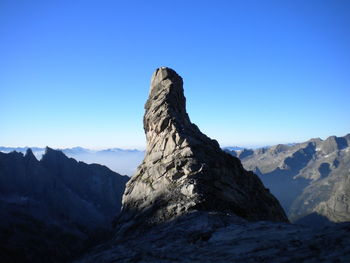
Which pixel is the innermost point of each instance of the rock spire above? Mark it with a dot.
(184, 170)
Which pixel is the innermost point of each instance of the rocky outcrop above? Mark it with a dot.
(54, 209)
(191, 202)
(310, 179)
(210, 237)
(186, 171)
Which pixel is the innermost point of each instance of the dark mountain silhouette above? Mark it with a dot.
(123, 161)
(53, 209)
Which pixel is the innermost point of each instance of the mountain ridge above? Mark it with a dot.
(55, 208)
(306, 168)
(123, 161)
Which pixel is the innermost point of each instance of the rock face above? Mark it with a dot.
(53, 209)
(185, 171)
(191, 202)
(209, 237)
(310, 179)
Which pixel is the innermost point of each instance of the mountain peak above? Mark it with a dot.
(184, 170)
(162, 74)
(53, 156)
(166, 103)
(50, 151)
(30, 155)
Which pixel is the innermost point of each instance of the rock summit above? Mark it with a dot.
(184, 170)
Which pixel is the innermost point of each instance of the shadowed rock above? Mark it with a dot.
(54, 209)
(184, 170)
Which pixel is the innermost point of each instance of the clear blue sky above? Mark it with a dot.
(255, 72)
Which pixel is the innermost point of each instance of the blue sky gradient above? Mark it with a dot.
(255, 72)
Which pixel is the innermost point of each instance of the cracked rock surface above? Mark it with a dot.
(184, 170)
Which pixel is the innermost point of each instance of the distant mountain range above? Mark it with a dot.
(233, 148)
(310, 179)
(122, 161)
(54, 208)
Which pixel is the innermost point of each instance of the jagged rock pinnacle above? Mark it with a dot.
(30, 155)
(184, 170)
(166, 87)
